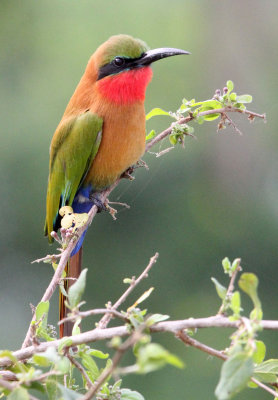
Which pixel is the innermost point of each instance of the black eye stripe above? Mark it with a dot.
(117, 65)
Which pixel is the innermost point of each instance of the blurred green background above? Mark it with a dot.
(215, 198)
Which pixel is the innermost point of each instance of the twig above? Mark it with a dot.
(107, 317)
(198, 345)
(8, 376)
(190, 117)
(219, 354)
(7, 385)
(95, 311)
(108, 333)
(115, 361)
(230, 287)
(81, 369)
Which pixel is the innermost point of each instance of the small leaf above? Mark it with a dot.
(235, 304)
(90, 365)
(76, 328)
(153, 356)
(63, 365)
(151, 135)
(19, 394)
(68, 394)
(220, 289)
(64, 342)
(42, 310)
(153, 319)
(156, 111)
(52, 389)
(127, 281)
(269, 366)
(77, 289)
(249, 282)
(235, 264)
(116, 385)
(230, 86)
(98, 354)
(259, 354)
(235, 374)
(127, 394)
(226, 265)
(233, 96)
(142, 298)
(245, 98)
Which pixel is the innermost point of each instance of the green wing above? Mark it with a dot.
(73, 148)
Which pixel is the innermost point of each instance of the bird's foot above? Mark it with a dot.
(128, 174)
(102, 206)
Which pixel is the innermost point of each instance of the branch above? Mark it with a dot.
(190, 117)
(230, 287)
(121, 331)
(115, 361)
(81, 369)
(219, 354)
(106, 318)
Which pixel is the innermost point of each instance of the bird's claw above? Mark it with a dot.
(101, 206)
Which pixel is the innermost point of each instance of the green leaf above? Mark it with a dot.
(173, 139)
(151, 135)
(153, 356)
(90, 365)
(52, 389)
(98, 354)
(42, 311)
(226, 265)
(142, 298)
(230, 86)
(265, 377)
(156, 111)
(64, 342)
(127, 281)
(19, 394)
(245, 98)
(68, 394)
(235, 304)
(116, 385)
(153, 319)
(233, 97)
(221, 290)
(269, 366)
(127, 394)
(209, 117)
(77, 289)
(235, 374)
(235, 264)
(249, 282)
(259, 354)
(63, 365)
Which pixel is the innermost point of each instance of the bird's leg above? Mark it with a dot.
(102, 206)
(128, 173)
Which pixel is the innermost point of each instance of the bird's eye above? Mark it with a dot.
(118, 61)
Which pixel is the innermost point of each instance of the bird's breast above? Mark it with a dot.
(122, 144)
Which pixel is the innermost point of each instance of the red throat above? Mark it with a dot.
(126, 87)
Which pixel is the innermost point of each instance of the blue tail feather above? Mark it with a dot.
(82, 204)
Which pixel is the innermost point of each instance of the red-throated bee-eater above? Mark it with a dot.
(101, 134)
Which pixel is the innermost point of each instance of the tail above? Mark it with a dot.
(72, 269)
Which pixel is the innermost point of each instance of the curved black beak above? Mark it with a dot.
(157, 54)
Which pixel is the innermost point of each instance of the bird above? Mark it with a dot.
(101, 134)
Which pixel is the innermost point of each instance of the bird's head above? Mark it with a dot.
(122, 66)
